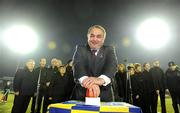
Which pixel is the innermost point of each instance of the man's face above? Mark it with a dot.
(96, 38)
(43, 62)
(156, 64)
(62, 70)
(173, 67)
(58, 63)
(53, 62)
(138, 69)
(121, 68)
(30, 65)
(147, 67)
(131, 71)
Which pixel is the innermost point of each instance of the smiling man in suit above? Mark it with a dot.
(94, 66)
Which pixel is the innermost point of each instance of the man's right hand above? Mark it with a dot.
(137, 96)
(94, 91)
(88, 82)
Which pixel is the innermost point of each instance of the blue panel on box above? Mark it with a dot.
(135, 110)
(58, 110)
(113, 112)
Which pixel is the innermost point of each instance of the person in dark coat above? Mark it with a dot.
(121, 79)
(94, 66)
(138, 93)
(150, 92)
(60, 84)
(51, 71)
(69, 71)
(16, 89)
(41, 73)
(173, 83)
(25, 83)
(159, 80)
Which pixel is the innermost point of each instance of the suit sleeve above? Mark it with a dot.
(51, 85)
(110, 67)
(164, 79)
(79, 64)
(134, 86)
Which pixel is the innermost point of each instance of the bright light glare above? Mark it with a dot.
(20, 39)
(153, 33)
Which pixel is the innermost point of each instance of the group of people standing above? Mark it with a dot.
(52, 82)
(142, 87)
(94, 70)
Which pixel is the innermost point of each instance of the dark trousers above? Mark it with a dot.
(46, 103)
(16, 105)
(175, 101)
(20, 104)
(162, 98)
(140, 102)
(40, 98)
(150, 102)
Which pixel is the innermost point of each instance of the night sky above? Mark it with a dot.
(65, 22)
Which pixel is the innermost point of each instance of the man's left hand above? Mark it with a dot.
(99, 81)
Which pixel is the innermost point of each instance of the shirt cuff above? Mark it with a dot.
(81, 79)
(106, 79)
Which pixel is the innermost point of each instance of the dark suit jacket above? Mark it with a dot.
(25, 82)
(105, 63)
(43, 78)
(159, 78)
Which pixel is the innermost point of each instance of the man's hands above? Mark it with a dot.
(92, 84)
(94, 91)
(99, 81)
(166, 90)
(88, 82)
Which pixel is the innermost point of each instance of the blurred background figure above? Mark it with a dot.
(138, 93)
(173, 83)
(51, 71)
(159, 81)
(69, 71)
(24, 85)
(60, 86)
(130, 74)
(41, 73)
(6, 91)
(121, 79)
(150, 92)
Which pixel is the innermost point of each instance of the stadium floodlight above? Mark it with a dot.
(20, 38)
(153, 33)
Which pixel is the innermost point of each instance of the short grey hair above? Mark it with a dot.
(99, 27)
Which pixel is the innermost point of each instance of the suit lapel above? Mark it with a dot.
(98, 60)
(90, 61)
